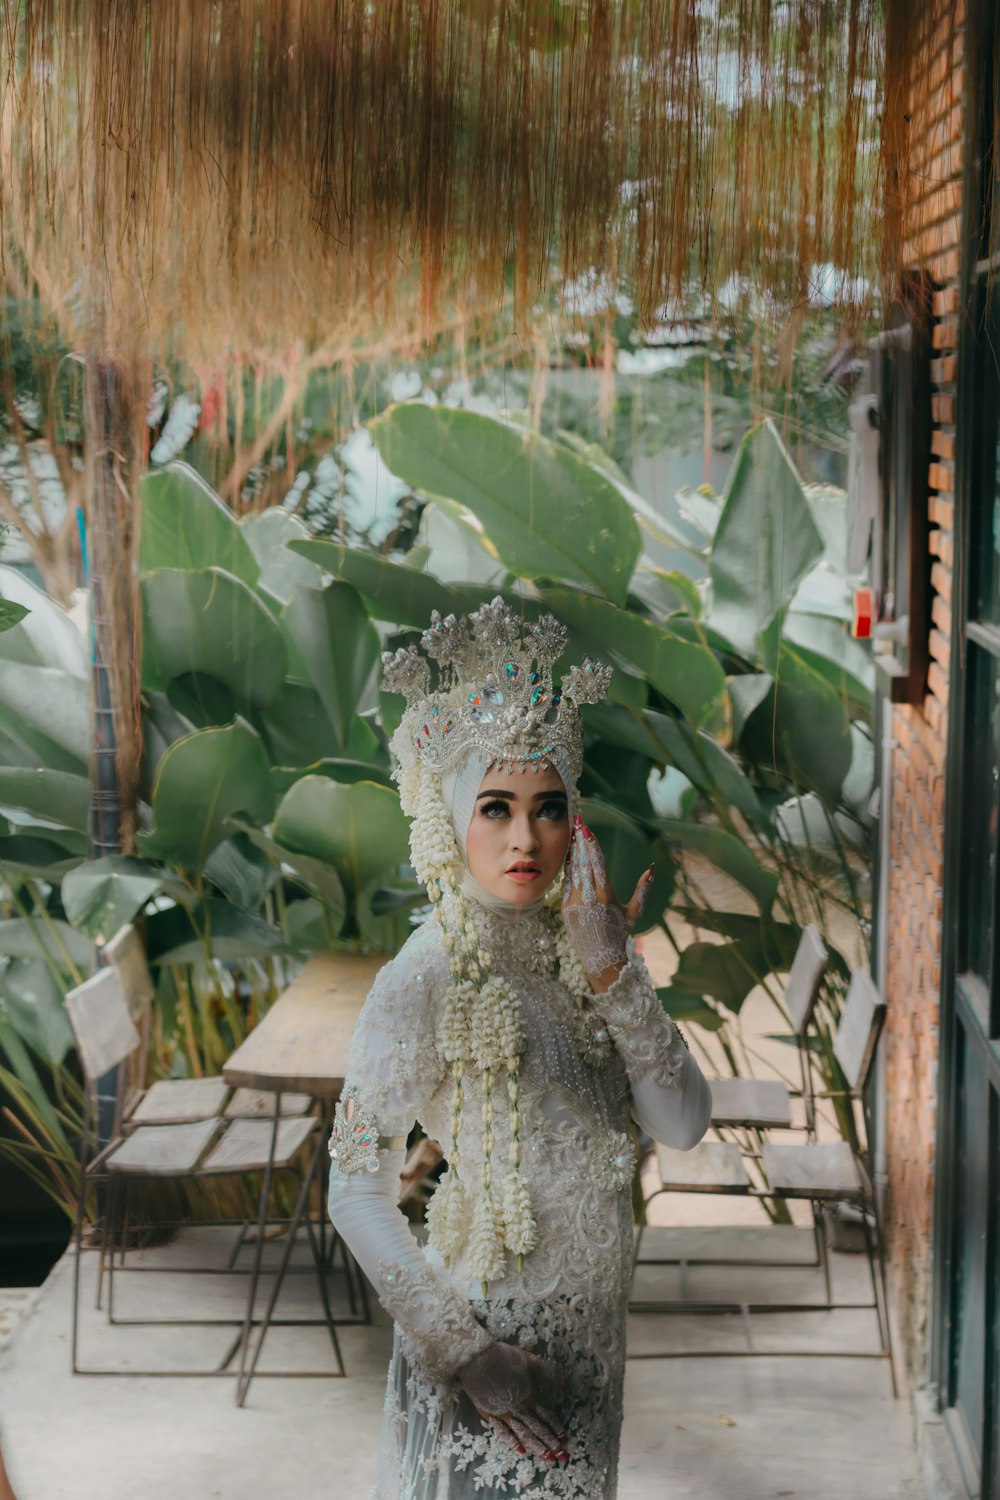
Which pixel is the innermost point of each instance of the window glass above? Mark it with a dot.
(979, 819)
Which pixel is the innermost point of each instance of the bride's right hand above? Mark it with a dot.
(513, 1390)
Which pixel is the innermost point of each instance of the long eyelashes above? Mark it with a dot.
(549, 811)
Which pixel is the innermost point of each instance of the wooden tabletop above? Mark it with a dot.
(303, 1040)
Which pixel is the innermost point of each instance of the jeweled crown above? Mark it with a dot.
(493, 691)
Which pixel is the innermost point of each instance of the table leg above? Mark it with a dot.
(246, 1374)
(258, 1250)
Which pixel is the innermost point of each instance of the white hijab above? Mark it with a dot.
(459, 790)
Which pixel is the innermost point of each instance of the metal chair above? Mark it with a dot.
(107, 1039)
(818, 1172)
(752, 1106)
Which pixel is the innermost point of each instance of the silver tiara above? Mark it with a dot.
(492, 691)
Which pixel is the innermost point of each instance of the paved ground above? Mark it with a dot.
(715, 1428)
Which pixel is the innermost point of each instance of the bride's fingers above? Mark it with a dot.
(532, 1443)
(635, 907)
(579, 870)
(501, 1429)
(595, 855)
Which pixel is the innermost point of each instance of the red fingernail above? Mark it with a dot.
(563, 1436)
(652, 872)
(520, 1448)
(549, 1455)
(587, 833)
(562, 1454)
(577, 821)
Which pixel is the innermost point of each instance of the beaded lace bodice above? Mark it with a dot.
(583, 1075)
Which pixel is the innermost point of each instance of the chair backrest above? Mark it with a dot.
(104, 1030)
(128, 958)
(857, 1034)
(805, 978)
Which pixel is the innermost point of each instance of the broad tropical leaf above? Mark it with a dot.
(685, 672)
(185, 525)
(201, 782)
(33, 1002)
(45, 636)
(212, 927)
(765, 543)
(332, 646)
(359, 830)
(548, 512)
(728, 853)
(52, 796)
(11, 613)
(54, 702)
(103, 894)
(392, 591)
(281, 571)
(209, 622)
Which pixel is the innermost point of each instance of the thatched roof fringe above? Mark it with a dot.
(242, 173)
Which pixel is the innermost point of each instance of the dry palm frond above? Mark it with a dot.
(241, 176)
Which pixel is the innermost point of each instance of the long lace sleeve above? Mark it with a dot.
(394, 1070)
(672, 1100)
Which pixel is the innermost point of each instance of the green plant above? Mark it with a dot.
(269, 826)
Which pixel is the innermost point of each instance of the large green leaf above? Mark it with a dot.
(681, 1007)
(46, 636)
(281, 571)
(34, 855)
(33, 1003)
(11, 614)
(765, 543)
(185, 525)
(53, 796)
(725, 971)
(333, 646)
(210, 622)
(685, 672)
(22, 1068)
(777, 940)
(241, 871)
(727, 853)
(179, 936)
(201, 781)
(297, 730)
(103, 894)
(53, 701)
(33, 937)
(337, 768)
(392, 591)
(23, 745)
(359, 830)
(628, 850)
(802, 729)
(747, 691)
(315, 874)
(826, 646)
(548, 512)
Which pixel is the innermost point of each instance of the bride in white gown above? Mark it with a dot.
(519, 1027)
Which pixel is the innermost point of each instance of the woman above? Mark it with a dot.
(519, 1027)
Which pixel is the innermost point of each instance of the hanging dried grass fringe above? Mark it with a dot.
(246, 175)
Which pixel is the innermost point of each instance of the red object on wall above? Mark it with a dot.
(861, 625)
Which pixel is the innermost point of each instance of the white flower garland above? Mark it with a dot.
(480, 1029)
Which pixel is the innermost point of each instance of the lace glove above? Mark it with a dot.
(596, 923)
(515, 1392)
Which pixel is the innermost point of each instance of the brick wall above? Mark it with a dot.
(913, 921)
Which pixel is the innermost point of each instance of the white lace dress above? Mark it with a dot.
(582, 1081)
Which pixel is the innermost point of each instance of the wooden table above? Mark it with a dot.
(300, 1046)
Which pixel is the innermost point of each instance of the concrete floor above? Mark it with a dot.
(715, 1428)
